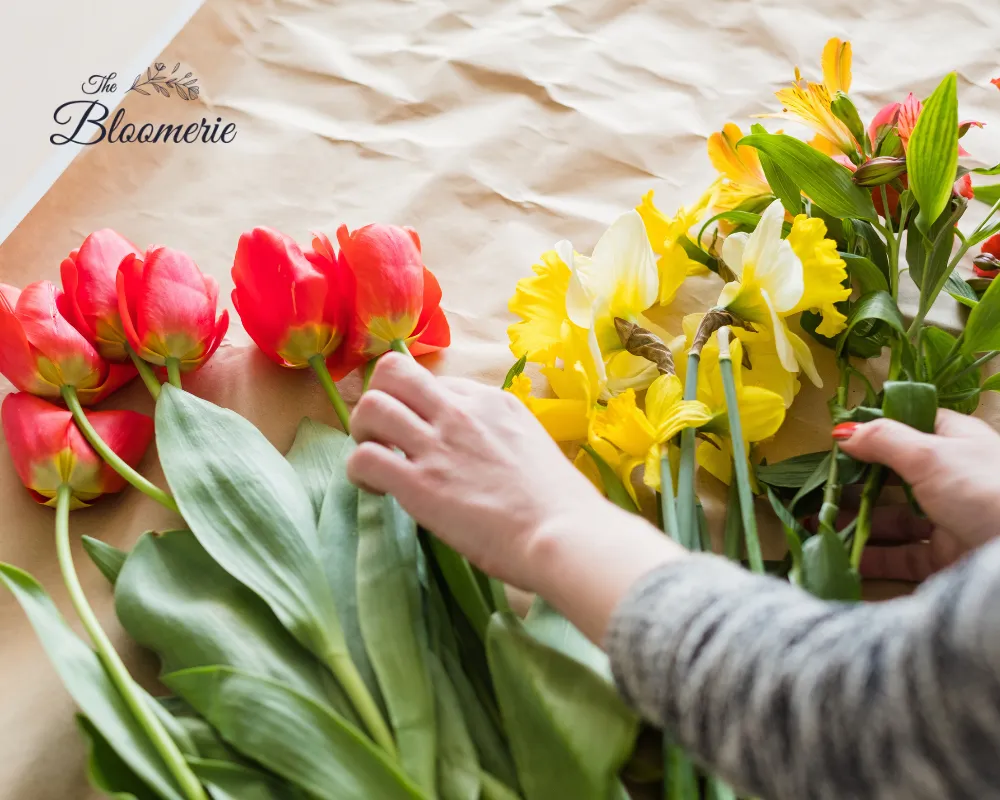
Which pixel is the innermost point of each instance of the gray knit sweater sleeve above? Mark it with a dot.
(787, 696)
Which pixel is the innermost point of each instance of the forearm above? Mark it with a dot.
(790, 697)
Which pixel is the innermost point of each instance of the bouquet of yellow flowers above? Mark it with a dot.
(809, 241)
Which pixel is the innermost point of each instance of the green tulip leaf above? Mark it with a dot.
(932, 154)
(569, 731)
(315, 454)
(106, 771)
(229, 781)
(551, 628)
(107, 558)
(301, 740)
(826, 570)
(458, 764)
(88, 684)
(461, 580)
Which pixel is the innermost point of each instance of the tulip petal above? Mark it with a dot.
(221, 326)
(435, 336)
(431, 301)
(128, 284)
(128, 434)
(175, 313)
(118, 375)
(17, 362)
(71, 284)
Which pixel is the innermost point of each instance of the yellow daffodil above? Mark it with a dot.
(809, 103)
(771, 283)
(762, 411)
(665, 236)
(570, 293)
(739, 169)
(640, 435)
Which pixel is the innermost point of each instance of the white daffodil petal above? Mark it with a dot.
(623, 267)
(783, 277)
(733, 248)
(762, 246)
(579, 301)
(786, 354)
(805, 358)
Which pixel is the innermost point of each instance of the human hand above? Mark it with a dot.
(948, 471)
(479, 470)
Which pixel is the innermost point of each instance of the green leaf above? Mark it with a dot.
(784, 188)
(247, 506)
(793, 472)
(994, 170)
(878, 306)
(462, 583)
(992, 383)
(229, 781)
(161, 598)
(107, 558)
(988, 194)
(982, 329)
(613, 486)
(458, 764)
(88, 684)
(844, 109)
(932, 155)
(292, 735)
(960, 290)
(550, 627)
(912, 403)
(569, 730)
(826, 568)
(794, 534)
(937, 347)
(819, 176)
(514, 371)
(390, 613)
(106, 771)
(315, 454)
(863, 270)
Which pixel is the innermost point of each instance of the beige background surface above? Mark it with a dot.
(494, 128)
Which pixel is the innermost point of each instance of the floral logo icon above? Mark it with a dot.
(163, 82)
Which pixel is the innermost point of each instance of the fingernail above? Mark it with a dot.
(845, 430)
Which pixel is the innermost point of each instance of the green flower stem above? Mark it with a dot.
(400, 347)
(831, 492)
(869, 497)
(350, 681)
(145, 372)
(687, 526)
(117, 672)
(983, 359)
(174, 372)
(111, 458)
(369, 369)
(667, 504)
(318, 363)
(754, 555)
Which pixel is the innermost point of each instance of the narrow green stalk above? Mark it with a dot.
(111, 458)
(667, 504)
(869, 497)
(831, 492)
(119, 675)
(948, 360)
(350, 681)
(145, 372)
(369, 369)
(732, 543)
(687, 527)
(680, 782)
(400, 347)
(318, 363)
(742, 474)
(983, 359)
(174, 372)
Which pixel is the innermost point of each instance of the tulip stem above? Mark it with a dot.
(145, 372)
(740, 471)
(400, 347)
(174, 372)
(369, 369)
(111, 458)
(318, 363)
(134, 698)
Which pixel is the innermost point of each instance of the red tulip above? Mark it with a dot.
(168, 308)
(904, 116)
(397, 296)
(89, 277)
(294, 305)
(40, 351)
(992, 246)
(49, 450)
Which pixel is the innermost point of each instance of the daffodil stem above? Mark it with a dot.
(831, 492)
(740, 471)
(667, 504)
(318, 363)
(869, 497)
(134, 698)
(687, 526)
(111, 458)
(145, 372)
(174, 372)
(400, 347)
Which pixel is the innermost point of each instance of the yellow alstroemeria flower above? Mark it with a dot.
(771, 283)
(809, 103)
(739, 167)
(665, 233)
(762, 411)
(640, 435)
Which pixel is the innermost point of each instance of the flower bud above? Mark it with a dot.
(986, 265)
(844, 110)
(879, 171)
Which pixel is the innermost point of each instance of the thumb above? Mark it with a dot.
(905, 450)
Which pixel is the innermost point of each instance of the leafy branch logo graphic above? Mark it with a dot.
(163, 82)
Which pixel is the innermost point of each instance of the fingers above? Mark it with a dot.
(377, 469)
(955, 425)
(908, 562)
(380, 417)
(401, 377)
(890, 524)
(903, 449)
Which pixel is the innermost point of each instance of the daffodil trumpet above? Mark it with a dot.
(111, 458)
(130, 691)
(740, 470)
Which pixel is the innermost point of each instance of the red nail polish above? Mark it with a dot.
(845, 430)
